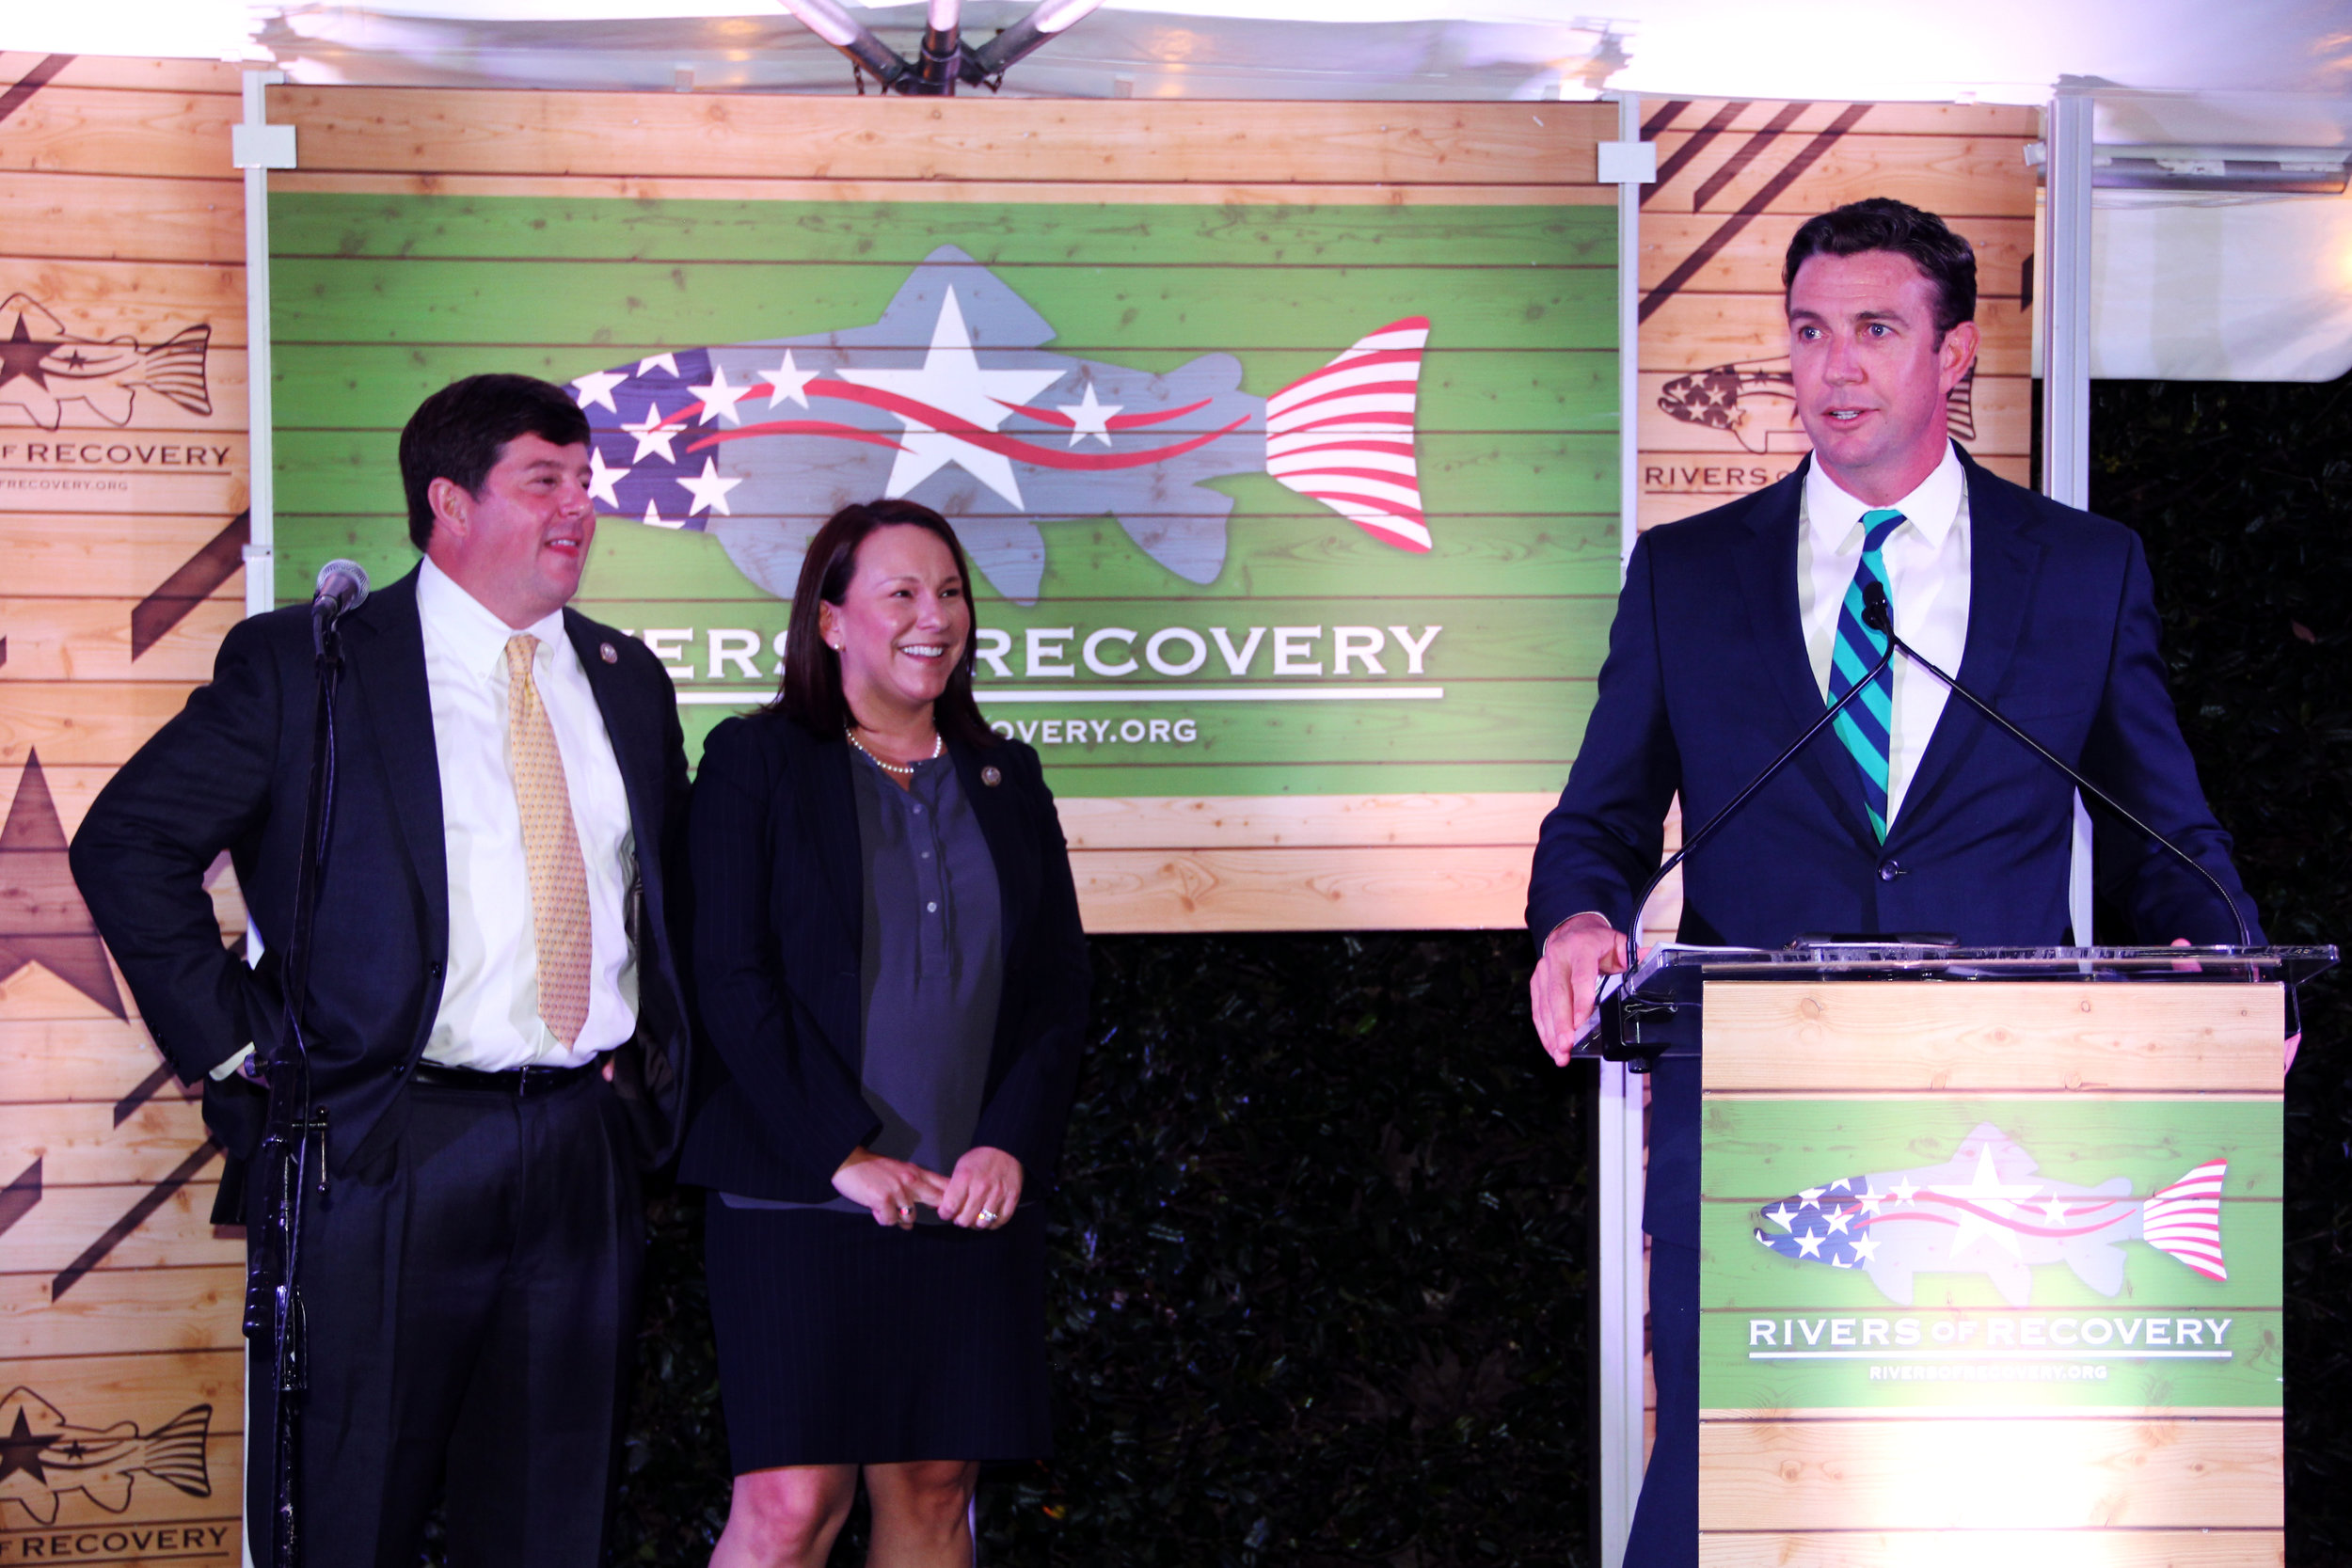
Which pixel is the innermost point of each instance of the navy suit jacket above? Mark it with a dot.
(1707, 680)
(779, 924)
(231, 772)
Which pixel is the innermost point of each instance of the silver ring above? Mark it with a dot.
(988, 1216)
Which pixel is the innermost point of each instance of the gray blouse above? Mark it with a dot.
(932, 967)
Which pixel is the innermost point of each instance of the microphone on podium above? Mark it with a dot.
(1879, 615)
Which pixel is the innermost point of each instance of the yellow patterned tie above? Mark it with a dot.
(559, 877)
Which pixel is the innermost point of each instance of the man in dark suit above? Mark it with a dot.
(495, 1026)
(1737, 627)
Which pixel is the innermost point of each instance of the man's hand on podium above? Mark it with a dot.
(1579, 951)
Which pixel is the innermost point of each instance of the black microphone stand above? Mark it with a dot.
(1879, 616)
(1633, 926)
(294, 1149)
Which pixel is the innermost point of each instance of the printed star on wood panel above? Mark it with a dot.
(21, 1449)
(42, 918)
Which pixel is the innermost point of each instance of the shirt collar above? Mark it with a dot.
(464, 628)
(1833, 516)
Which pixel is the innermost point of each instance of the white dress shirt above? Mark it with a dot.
(489, 1015)
(1927, 583)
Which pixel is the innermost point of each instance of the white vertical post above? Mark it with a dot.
(2065, 307)
(258, 147)
(1644, 169)
(1624, 1306)
(1630, 163)
(2065, 302)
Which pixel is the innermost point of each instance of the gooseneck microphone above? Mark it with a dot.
(1771, 769)
(1879, 615)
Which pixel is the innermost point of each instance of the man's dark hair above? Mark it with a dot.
(1882, 222)
(458, 432)
(811, 690)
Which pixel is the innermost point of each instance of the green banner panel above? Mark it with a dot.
(1260, 500)
(1870, 1252)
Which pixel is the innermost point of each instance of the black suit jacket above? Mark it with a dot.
(231, 772)
(1707, 679)
(779, 922)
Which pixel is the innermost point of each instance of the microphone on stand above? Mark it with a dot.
(342, 587)
(1879, 615)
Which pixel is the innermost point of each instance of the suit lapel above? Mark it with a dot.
(635, 746)
(1768, 580)
(384, 665)
(2004, 564)
(826, 792)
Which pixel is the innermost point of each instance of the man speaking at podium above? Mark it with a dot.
(1737, 627)
(495, 1026)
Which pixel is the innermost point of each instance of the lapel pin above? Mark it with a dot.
(991, 776)
(605, 650)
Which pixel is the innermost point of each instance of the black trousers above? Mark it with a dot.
(471, 1306)
(1665, 1532)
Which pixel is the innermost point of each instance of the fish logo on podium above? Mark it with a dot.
(45, 1456)
(1978, 1213)
(950, 399)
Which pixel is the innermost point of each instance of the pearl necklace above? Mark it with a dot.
(896, 769)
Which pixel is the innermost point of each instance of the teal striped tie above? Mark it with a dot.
(1867, 725)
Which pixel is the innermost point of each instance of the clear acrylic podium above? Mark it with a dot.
(1990, 1250)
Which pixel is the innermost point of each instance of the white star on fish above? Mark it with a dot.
(1809, 1245)
(720, 399)
(652, 436)
(1811, 1195)
(708, 489)
(1985, 1195)
(1089, 417)
(602, 478)
(1838, 1221)
(788, 380)
(1779, 1216)
(2054, 1209)
(655, 519)
(1903, 1193)
(1873, 1202)
(597, 389)
(656, 362)
(1863, 1247)
(1845, 1183)
(951, 380)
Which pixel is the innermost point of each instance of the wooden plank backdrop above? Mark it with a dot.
(430, 233)
(120, 527)
(1736, 179)
(2116, 1091)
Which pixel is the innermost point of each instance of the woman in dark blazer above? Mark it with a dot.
(892, 970)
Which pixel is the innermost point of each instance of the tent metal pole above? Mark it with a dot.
(257, 148)
(1623, 1284)
(2065, 302)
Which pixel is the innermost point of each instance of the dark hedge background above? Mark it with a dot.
(1320, 1255)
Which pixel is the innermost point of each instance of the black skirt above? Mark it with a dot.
(845, 1342)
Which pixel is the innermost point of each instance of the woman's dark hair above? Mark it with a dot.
(811, 691)
(1882, 222)
(459, 432)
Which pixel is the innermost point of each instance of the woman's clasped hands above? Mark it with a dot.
(980, 1195)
